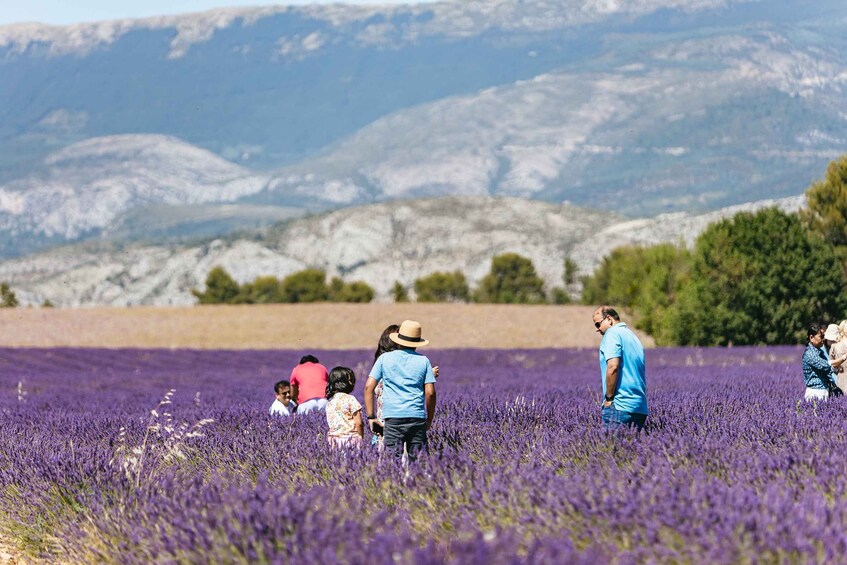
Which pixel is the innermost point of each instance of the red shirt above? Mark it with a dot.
(311, 379)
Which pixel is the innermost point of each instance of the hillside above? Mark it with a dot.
(237, 118)
(379, 244)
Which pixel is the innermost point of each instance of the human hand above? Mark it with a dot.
(435, 371)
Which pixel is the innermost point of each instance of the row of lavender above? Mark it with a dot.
(731, 468)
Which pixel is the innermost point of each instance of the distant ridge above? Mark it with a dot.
(177, 127)
(380, 244)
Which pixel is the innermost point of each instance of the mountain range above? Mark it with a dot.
(378, 244)
(157, 133)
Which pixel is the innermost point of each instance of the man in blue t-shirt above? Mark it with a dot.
(408, 393)
(621, 372)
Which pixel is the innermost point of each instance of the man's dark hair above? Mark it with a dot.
(308, 359)
(609, 311)
(280, 385)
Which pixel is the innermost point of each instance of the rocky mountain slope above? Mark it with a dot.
(203, 123)
(379, 244)
(124, 185)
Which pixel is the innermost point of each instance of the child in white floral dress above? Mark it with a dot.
(343, 411)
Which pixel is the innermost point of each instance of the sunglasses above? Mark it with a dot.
(597, 324)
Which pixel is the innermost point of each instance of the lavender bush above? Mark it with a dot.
(95, 466)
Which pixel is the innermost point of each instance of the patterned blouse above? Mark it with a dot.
(816, 370)
(339, 415)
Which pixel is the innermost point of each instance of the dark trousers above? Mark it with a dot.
(408, 432)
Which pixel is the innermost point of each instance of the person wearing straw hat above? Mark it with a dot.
(408, 404)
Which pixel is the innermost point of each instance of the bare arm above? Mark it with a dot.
(613, 367)
(357, 423)
(295, 390)
(836, 360)
(370, 386)
(429, 394)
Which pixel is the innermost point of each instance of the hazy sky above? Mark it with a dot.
(73, 11)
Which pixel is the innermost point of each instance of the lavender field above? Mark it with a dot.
(731, 468)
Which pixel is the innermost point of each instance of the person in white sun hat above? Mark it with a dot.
(408, 404)
(835, 347)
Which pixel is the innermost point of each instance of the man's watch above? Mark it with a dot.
(371, 417)
(609, 398)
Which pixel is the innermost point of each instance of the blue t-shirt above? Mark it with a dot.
(403, 373)
(620, 342)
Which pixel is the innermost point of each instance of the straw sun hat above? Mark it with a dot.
(409, 335)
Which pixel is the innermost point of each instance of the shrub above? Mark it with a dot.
(7, 297)
(263, 290)
(442, 287)
(511, 280)
(644, 280)
(399, 292)
(356, 291)
(221, 288)
(308, 285)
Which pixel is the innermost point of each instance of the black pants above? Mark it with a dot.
(408, 432)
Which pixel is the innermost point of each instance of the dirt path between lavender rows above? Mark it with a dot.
(299, 326)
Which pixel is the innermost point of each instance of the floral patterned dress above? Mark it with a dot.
(340, 410)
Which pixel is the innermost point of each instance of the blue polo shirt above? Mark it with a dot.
(620, 342)
(403, 373)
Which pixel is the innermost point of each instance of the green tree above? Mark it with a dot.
(826, 207)
(399, 292)
(644, 280)
(570, 272)
(263, 290)
(756, 279)
(7, 297)
(221, 288)
(308, 285)
(442, 287)
(356, 291)
(511, 280)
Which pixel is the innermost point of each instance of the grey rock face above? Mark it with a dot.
(642, 108)
(379, 244)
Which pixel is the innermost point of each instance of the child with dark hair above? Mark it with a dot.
(343, 411)
(283, 405)
(383, 346)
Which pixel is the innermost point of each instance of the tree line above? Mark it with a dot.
(512, 279)
(756, 278)
(753, 279)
